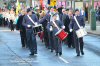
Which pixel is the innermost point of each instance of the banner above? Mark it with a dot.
(17, 7)
(41, 3)
(52, 2)
(49, 2)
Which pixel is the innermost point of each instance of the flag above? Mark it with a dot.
(17, 7)
(52, 2)
(42, 4)
(49, 2)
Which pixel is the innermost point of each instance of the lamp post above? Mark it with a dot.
(93, 17)
(71, 4)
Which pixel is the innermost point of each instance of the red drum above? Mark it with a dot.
(61, 34)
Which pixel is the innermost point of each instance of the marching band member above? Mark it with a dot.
(29, 21)
(74, 27)
(44, 24)
(54, 26)
(46, 19)
(50, 32)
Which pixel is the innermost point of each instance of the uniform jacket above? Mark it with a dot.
(46, 17)
(73, 25)
(59, 24)
(27, 21)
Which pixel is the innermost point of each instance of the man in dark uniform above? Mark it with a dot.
(48, 17)
(52, 27)
(44, 22)
(22, 29)
(29, 21)
(74, 27)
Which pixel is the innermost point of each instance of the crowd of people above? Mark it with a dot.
(8, 18)
(98, 13)
(49, 21)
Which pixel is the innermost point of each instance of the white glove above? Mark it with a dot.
(71, 30)
(81, 26)
(51, 28)
(28, 26)
(63, 27)
(36, 23)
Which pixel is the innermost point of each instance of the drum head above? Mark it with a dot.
(58, 32)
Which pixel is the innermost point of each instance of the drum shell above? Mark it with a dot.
(37, 29)
(62, 35)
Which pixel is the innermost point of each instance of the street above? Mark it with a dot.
(12, 54)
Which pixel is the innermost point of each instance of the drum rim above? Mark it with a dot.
(58, 32)
(38, 25)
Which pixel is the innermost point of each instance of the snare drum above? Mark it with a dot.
(37, 28)
(61, 34)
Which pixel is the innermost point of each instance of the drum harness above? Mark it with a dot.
(55, 25)
(31, 19)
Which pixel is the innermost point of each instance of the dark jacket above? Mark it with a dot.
(58, 23)
(73, 25)
(27, 21)
(19, 25)
(66, 21)
(46, 17)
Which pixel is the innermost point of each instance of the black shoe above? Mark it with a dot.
(73, 46)
(60, 53)
(82, 53)
(78, 54)
(51, 50)
(32, 54)
(48, 47)
(69, 46)
(23, 46)
(35, 52)
(56, 54)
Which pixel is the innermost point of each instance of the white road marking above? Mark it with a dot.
(64, 60)
(5, 30)
(9, 31)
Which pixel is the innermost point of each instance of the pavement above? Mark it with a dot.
(95, 32)
(12, 54)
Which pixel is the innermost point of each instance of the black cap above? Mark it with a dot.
(76, 10)
(29, 9)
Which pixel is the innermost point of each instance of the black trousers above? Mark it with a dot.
(23, 37)
(57, 45)
(31, 40)
(46, 39)
(70, 40)
(78, 43)
(51, 41)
